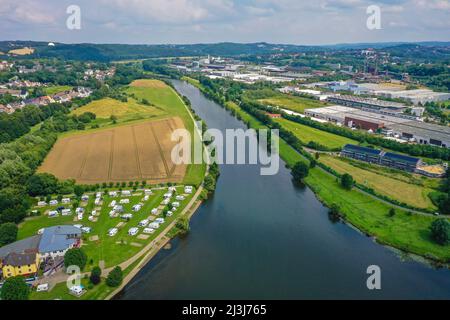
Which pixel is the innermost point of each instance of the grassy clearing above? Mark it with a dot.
(105, 108)
(55, 89)
(407, 177)
(406, 231)
(98, 292)
(112, 250)
(308, 134)
(294, 103)
(402, 191)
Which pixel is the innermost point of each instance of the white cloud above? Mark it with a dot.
(190, 21)
(26, 12)
(167, 11)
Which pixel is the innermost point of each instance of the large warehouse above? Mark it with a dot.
(403, 127)
(366, 103)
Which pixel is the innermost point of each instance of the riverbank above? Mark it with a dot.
(159, 244)
(406, 231)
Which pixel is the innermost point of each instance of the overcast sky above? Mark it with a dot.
(197, 21)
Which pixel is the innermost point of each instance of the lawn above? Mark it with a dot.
(402, 191)
(409, 232)
(98, 292)
(55, 89)
(294, 103)
(112, 250)
(307, 134)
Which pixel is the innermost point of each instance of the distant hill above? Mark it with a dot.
(110, 52)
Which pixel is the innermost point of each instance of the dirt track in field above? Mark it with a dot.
(127, 153)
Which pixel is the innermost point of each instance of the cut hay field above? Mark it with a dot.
(132, 152)
(136, 147)
(307, 134)
(22, 51)
(294, 103)
(107, 107)
(402, 191)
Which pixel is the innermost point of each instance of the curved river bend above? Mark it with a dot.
(260, 237)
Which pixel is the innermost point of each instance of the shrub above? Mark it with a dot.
(114, 278)
(440, 231)
(300, 171)
(75, 257)
(347, 181)
(95, 276)
(15, 288)
(8, 233)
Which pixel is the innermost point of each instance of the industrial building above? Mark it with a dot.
(361, 153)
(366, 103)
(399, 126)
(387, 159)
(419, 96)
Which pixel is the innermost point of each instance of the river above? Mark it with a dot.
(261, 237)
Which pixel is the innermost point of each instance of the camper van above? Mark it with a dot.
(112, 232)
(133, 231)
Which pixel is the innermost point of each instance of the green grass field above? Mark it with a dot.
(294, 103)
(112, 250)
(98, 292)
(55, 89)
(307, 134)
(107, 107)
(402, 191)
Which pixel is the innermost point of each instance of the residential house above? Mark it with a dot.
(20, 264)
(20, 257)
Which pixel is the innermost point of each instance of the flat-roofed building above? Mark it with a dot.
(362, 153)
(399, 161)
(388, 159)
(363, 123)
(418, 96)
(423, 133)
(366, 103)
(335, 114)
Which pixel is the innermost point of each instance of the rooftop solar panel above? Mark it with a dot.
(355, 148)
(400, 157)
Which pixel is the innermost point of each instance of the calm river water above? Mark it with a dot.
(261, 237)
